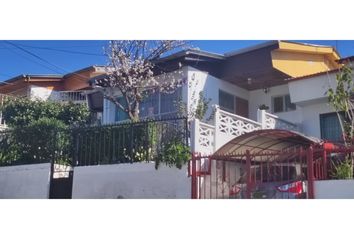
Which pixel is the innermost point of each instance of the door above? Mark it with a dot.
(241, 107)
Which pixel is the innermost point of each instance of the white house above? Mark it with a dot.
(287, 79)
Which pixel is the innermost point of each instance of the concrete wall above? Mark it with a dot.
(138, 180)
(202, 81)
(40, 93)
(334, 189)
(258, 97)
(311, 89)
(311, 118)
(25, 181)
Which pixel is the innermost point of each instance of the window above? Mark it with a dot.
(150, 105)
(233, 104)
(330, 127)
(283, 104)
(153, 105)
(168, 101)
(120, 114)
(289, 106)
(226, 101)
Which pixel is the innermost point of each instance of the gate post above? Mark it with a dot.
(194, 177)
(310, 175)
(325, 174)
(248, 169)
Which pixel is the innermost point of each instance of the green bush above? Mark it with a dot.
(343, 170)
(174, 153)
(22, 112)
(41, 141)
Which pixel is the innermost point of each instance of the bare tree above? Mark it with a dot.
(130, 71)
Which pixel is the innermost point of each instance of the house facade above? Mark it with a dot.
(51, 87)
(73, 87)
(278, 84)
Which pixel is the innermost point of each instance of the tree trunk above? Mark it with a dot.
(134, 115)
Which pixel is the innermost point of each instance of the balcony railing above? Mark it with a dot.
(207, 138)
(69, 96)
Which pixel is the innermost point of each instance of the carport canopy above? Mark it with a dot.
(267, 141)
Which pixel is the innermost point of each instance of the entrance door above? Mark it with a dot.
(241, 107)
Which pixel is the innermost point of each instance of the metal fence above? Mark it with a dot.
(129, 142)
(120, 143)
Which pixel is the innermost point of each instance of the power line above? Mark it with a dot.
(31, 60)
(33, 54)
(61, 50)
(38, 57)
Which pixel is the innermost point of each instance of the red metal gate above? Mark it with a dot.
(265, 175)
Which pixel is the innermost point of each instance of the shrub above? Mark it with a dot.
(174, 153)
(41, 141)
(23, 111)
(343, 170)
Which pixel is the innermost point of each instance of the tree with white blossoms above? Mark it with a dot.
(130, 71)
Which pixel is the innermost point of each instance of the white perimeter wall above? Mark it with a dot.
(25, 181)
(334, 189)
(137, 180)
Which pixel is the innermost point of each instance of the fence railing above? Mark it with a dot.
(69, 96)
(121, 143)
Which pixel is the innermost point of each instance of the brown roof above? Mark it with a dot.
(346, 59)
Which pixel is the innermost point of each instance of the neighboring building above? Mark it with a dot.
(239, 83)
(69, 87)
(72, 87)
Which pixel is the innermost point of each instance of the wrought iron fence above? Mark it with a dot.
(110, 144)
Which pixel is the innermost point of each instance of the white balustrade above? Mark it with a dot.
(271, 121)
(229, 126)
(203, 137)
(207, 138)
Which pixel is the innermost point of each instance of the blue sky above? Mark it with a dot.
(60, 57)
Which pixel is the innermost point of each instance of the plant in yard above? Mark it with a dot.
(23, 111)
(41, 141)
(343, 170)
(200, 110)
(341, 99)
(174, 153)
(131, 71)
(9, 152)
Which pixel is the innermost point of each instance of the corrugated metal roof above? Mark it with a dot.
(266, 141)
